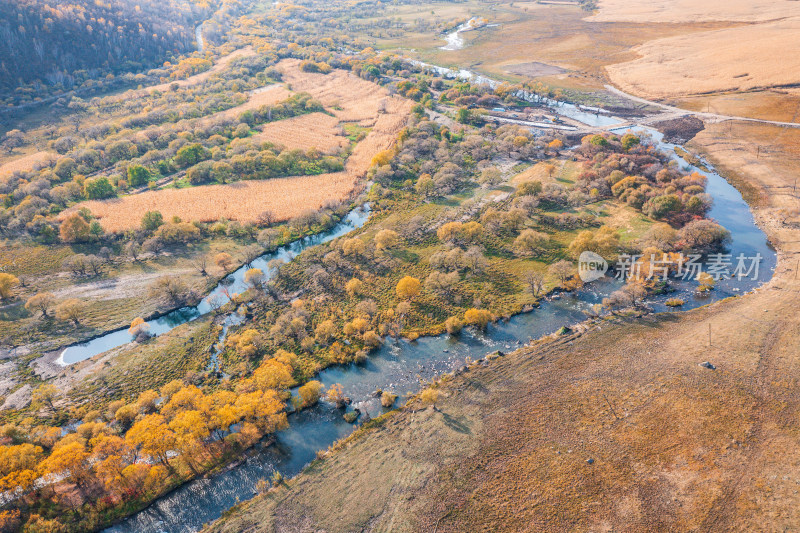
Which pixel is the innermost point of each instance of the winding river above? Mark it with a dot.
(198, 37)
(232, 284)
(399, 365)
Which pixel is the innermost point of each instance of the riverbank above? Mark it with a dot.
(398, 367)
(617, 427)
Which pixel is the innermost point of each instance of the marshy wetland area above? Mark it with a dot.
(398, 266)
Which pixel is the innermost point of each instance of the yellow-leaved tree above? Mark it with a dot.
(408, 288)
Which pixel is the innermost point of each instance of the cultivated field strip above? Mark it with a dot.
(285, 197)
(26, 163)
(350, 98)
(315, 130)
(269, 95)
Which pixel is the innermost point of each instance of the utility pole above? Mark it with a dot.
(709, 334)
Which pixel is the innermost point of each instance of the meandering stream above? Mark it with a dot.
(399, 365)
(220, 295)
(198, 36)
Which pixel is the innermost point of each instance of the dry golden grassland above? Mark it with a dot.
(678, 11)
(733, 59)
(25, 163)
(765, 154)
(782, 105)
(360, 100)
(350, 98)
(555, 34)
(305, 132)
(241, 201)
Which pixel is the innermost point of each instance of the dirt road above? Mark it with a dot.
(669, 112)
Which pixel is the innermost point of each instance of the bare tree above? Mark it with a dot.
(563, 270)
(266, 218)
(535, 281)
(95, 264)
(132, 250)
(251, 253)
(200, 264)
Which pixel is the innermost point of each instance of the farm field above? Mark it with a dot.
(24, 163)
(306, 132)
(355, 100)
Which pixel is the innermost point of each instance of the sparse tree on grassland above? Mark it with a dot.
(254, 277)
(386, 239)
(74, 228)
(408, 288)
(200, 264)
(562, 270)
(661, 236)
(530, 242)
(7, 284)
(13, 139)
(479, 318)
(429, 397)
(354, 287)
(71, 309)
(95, 264)
(251, 253)
(224, 261)
(77, 264)
(336, 396)
(154, 245)
(535, 282)
(133, 249)
(388, 399)
(310, 393)
(40, 302)
(324, 332)
(703, 235)
(453, 325)
(152, 220)
(170, 291)
(604, 241)
(266, 218)
(44, 396)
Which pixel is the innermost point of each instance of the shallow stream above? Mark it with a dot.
(399, 365)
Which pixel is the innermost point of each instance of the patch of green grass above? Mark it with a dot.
(137, 368)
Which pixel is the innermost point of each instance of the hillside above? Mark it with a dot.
(50, 44)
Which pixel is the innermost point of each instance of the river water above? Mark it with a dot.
(198, 36)
(232, 284)
(399, 365)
